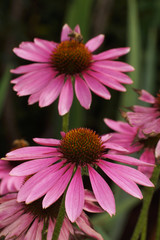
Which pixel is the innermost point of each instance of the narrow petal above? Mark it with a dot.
(157, 150)
(147, 156)
(31, 167)
(115, 65)
(31, 233)
(65, 31)
(66, 97)
(102, 191)
(32, 152)
(83, 93)
(74, 201)
(111, 54)
(127, 160)
(115, 146)
(130, 173)
(119, 126)
(45, 44)
(95, 42)
(30, 67)
(97, 87)
(77, 29)
(51, 91)
(126, 184)
(57, 190)
(146, 96)
(47, 141)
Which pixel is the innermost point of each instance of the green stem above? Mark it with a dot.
(147, 197)
(61, 213)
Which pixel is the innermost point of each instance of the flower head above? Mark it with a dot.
(128, 136)
(60, 66)
(26, 221)
(61, 163)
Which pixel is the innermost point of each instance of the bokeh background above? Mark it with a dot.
(133, 23)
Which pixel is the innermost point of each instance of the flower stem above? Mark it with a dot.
(59, 220)
(147, 197)
(65, 122)
(158, 224)
(61, 213)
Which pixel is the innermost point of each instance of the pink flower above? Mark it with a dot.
(25, 222)
(128, 137)
(60, 66)
(60, 163)
(146, 118)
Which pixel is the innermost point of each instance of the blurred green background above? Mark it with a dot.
(133, 23)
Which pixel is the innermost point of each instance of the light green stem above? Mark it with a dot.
(61, 213)
(147, 197)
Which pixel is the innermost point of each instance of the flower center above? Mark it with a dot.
(35, 208)
(81, 146)
(71, 57)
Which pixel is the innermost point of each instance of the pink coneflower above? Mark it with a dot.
(25, 222)
(146, 118)
(60, 163)
(128, 136)
(60, 66)
(11, 183)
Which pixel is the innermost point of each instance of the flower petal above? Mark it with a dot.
(95, 42)
(115, 65)
(102, 191)
(111, 54)
(83, 93)
(51, 91)
(74, 201)
(65, 31)
(30, 67)
(47, 141)
(66, 97)
(147, 156)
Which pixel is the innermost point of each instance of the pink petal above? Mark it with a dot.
(27, 187)
(102, 191)
(147, 156)
(111, 54)
(66, 97)
(39, 231)
(57, 189)
(77, 29)
(108, 81)
(46, 184)
(95, 42)
(157, 150)
(34, 97)
(51, 91)
(30, 167)
(82, 224)
(118, 76)
(32, 152)
(127, 160)
(115, 146)
(65, 31)
(115, 65)
(83, 93)
(129, 172)
(31, 233)
(126, 184)
(74, 201)
(146, 96)
(45, 44)
(97, 87)
(47, 141)
(30, 67)
(119, 126)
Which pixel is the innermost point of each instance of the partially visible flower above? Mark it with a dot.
(128, 137)
(146, 118)
(60, 66)
(61, 162)
(25, 222)
(11, 183)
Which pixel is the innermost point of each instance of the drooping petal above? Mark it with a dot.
(74, 201)
(57, 189)
(95, 42)
(65, 31)
(66, 97)
(119, 126)
(51, 91)
(146, 96)
(83, 93)
(147, 156)
(102, 191)
(126, 184)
